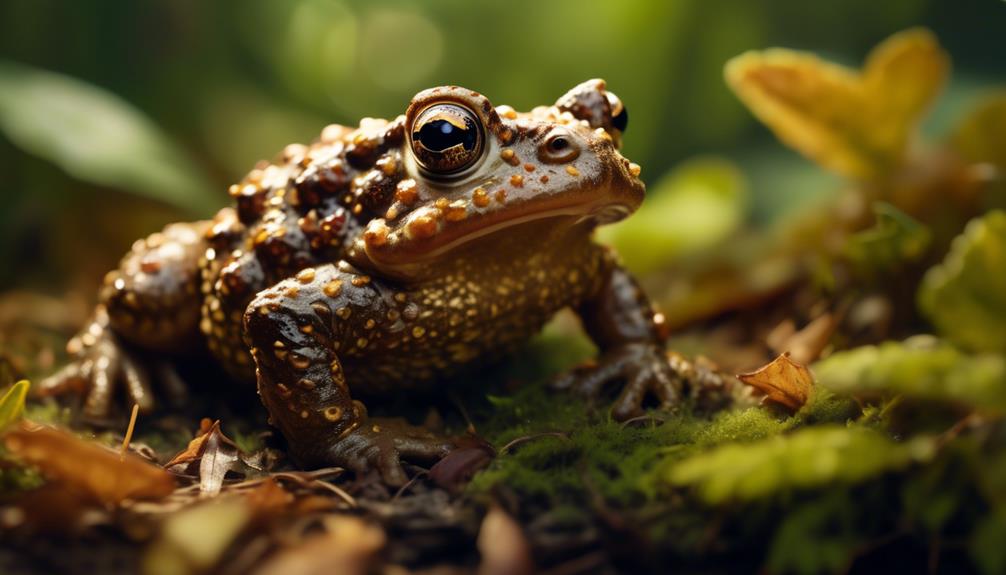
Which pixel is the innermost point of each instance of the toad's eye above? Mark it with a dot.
(447, 138)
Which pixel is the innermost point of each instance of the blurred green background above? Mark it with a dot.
(118, 116)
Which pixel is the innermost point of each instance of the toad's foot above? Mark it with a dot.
(100, 365)
(382, 443)
(641, 366)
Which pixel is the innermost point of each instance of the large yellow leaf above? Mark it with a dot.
(851, 122)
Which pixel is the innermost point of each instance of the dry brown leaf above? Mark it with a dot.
(215, 453)
(504, 547)
(854, 123)
(87, 466)
(783, 381)
(348, 546)
(806, 345)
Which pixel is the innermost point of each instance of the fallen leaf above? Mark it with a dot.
(783, 381)
(12, 403)
(215, 453)
(806, 345)
(504, 547)
(193, 540)
(457, 467)
(854, 123)
(88, 466)
(348, 546)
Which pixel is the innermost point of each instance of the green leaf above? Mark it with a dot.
(12, 403)
(816, 537)
(981, 137)
(896, 238)
(810, 457)
(920, 367)
(97, 137)
(987, 544)
(965, 296)
(693, 207)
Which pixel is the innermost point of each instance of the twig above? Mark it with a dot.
(515, 442)
(129, 432)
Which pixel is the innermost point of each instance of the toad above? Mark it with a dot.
(384, 259)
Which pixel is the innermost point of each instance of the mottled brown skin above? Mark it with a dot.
(347, 268)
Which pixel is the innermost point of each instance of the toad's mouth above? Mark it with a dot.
(498, 233)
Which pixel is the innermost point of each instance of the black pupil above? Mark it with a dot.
(440, 135)
(559, 144)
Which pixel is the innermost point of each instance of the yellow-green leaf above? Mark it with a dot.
(921, 367)
(854, 123)
(965, 296)
(808, 458)
(895, 238)
(981, 137)
(12, 403)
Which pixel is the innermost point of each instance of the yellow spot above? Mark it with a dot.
(500, 196)
(635, 169)
(406, 191)
(306, 383)
(292, 292)
(418, 331)
(572, 171)
(333, 413)
(376, 233)
(456, 211)
(360, 280)
(421, 227)
(362, 342)
(332, 288)
(517, 181)
(370, 324)
(506, 112)
(299, 361)
(306, 276)
(304, 414)
(528, 168)
(480, 197)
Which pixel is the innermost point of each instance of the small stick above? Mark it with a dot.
(129, 432)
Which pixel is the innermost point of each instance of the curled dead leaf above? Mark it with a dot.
(783, 381)
(93, 469)
(215, 453)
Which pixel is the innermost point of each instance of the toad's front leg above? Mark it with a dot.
(621, 321)
(299, 330)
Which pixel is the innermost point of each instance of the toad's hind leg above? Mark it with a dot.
(296, 330)
(151, 302)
